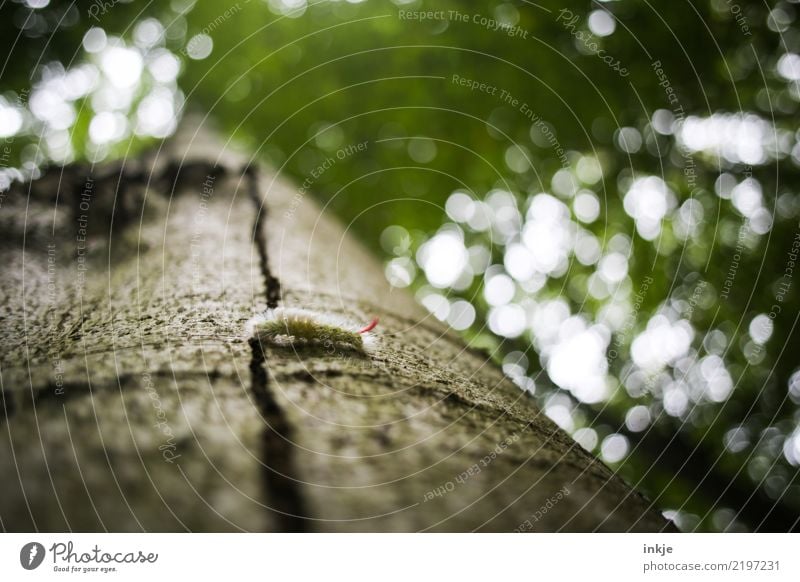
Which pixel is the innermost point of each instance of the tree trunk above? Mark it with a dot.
(134, 400)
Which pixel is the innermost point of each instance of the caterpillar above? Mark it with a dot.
(291, 325)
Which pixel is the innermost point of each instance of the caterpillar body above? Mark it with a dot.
(292, 325)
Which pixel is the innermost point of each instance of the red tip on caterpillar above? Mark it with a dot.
(369, 327)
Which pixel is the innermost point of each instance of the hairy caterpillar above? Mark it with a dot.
(290, 325)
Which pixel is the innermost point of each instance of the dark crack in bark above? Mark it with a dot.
(281, 488)
(9, 406)
(273, 286)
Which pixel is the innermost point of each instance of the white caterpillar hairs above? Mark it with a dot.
(291, 325)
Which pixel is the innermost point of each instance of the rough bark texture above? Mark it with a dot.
(134, 401)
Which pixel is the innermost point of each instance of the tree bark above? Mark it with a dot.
(133, 400)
